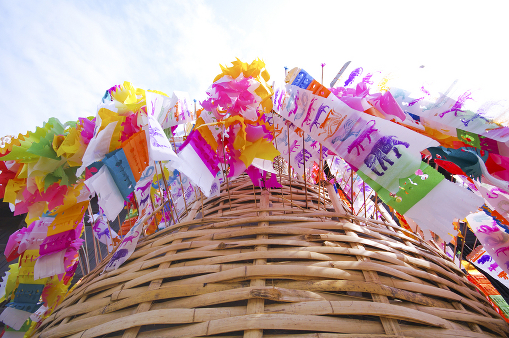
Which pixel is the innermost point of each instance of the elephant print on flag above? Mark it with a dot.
(366, 142)
(103, 233)
(126, 248)
(142, 191)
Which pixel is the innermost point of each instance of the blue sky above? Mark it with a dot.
(58, 57)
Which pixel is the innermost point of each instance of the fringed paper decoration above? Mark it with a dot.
(68, 219)
(377, 128)
(98, 147)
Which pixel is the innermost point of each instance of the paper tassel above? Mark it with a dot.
(3, 285)
(263, 165)
(37, 232)
(120, 171)
(37, 315)
(169, 111)
(142, 191)
(498, 199)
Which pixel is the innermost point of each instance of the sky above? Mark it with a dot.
(57, 58)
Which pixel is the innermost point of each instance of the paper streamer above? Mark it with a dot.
(98, 147)
(142, 191)
(109, 197)
(159, 147)
(483, 261)
(14, 318)
(497, 198)
(492, 236)
(102, 231)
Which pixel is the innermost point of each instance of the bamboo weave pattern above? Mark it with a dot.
(254, 263)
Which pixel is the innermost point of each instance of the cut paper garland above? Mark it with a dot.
(370, 145)
(41, 179)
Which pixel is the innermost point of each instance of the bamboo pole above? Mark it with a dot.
(320, 179)
(224, 171)
(304, 158)
(86, 249)
(180, 176)
(289, 168)
(376, 205)
(162, 196)
(83, 272)
(93, 237)
(351, 192)
(364, 193)
(120, 225)
(279, 158)
(463, 243)
(168, 195)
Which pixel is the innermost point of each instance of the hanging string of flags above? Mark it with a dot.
(147, 151)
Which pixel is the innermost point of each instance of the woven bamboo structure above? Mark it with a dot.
(253, 263)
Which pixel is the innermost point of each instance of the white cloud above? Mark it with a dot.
(58, 58)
